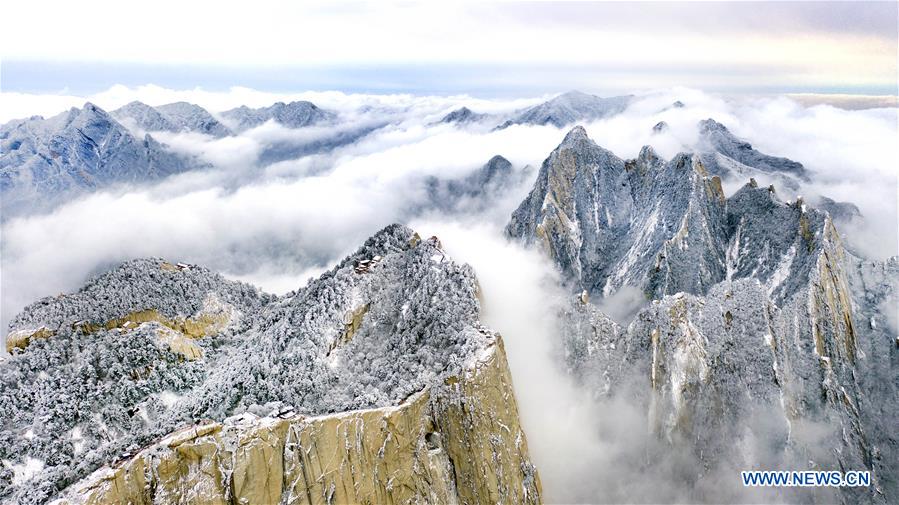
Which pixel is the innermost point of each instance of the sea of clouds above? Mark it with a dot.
(277, 225)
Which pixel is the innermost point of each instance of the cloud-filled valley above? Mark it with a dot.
(306, 213)
(275, 220)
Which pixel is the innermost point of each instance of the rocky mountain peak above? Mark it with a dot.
(756, 311)
(297, 114)
(476, 190)
(661, 226)
(370, 365)
(574, 136)
(497, 166)
(45, 161)
(727, 155)
(462, 115)
(174, 117)
(569, 108)
(648, 157)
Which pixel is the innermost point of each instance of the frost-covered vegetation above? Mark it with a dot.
(360, 336)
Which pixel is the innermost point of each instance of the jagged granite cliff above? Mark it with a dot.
(609, 223)
(162, 383)
(755, 351)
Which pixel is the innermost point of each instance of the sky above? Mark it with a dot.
(489, 49)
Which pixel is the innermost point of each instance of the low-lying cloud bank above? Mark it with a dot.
(278, 225)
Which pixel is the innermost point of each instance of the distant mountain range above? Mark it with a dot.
(563, 110)
(290, 115)
(760, 341)
(45, 161)
(175, 117)
(569, 108)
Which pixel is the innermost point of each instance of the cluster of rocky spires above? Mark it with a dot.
(756, 312)
(763, 342)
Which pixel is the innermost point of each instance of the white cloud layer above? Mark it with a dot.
(278, 225)
(304, 213)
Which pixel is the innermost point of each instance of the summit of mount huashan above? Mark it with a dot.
(759, 345)
(165, 383)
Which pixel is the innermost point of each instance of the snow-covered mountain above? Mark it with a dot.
(757, 313)
(462, 115)
(193, 388)
(291, 115)
(174, 117)
(44, 161)
(728, 156)
(752, 338)
(478, 190)
(569, 108)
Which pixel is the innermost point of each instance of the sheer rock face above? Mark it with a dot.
(290, 115)
(875, 297)
(751, 353)
(569, 108)
(457, 442)
(174, 117)
(44, 160)
(609, 223)
(374, 383)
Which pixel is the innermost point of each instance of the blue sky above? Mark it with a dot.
(488, 49)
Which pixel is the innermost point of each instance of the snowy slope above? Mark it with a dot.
(569, 108)
(151, 346)
(43, 161)
(174, 117)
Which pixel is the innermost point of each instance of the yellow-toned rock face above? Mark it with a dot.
(177, 332)
(458, 443)
(20, 339)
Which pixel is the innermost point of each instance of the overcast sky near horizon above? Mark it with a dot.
(441, 47)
